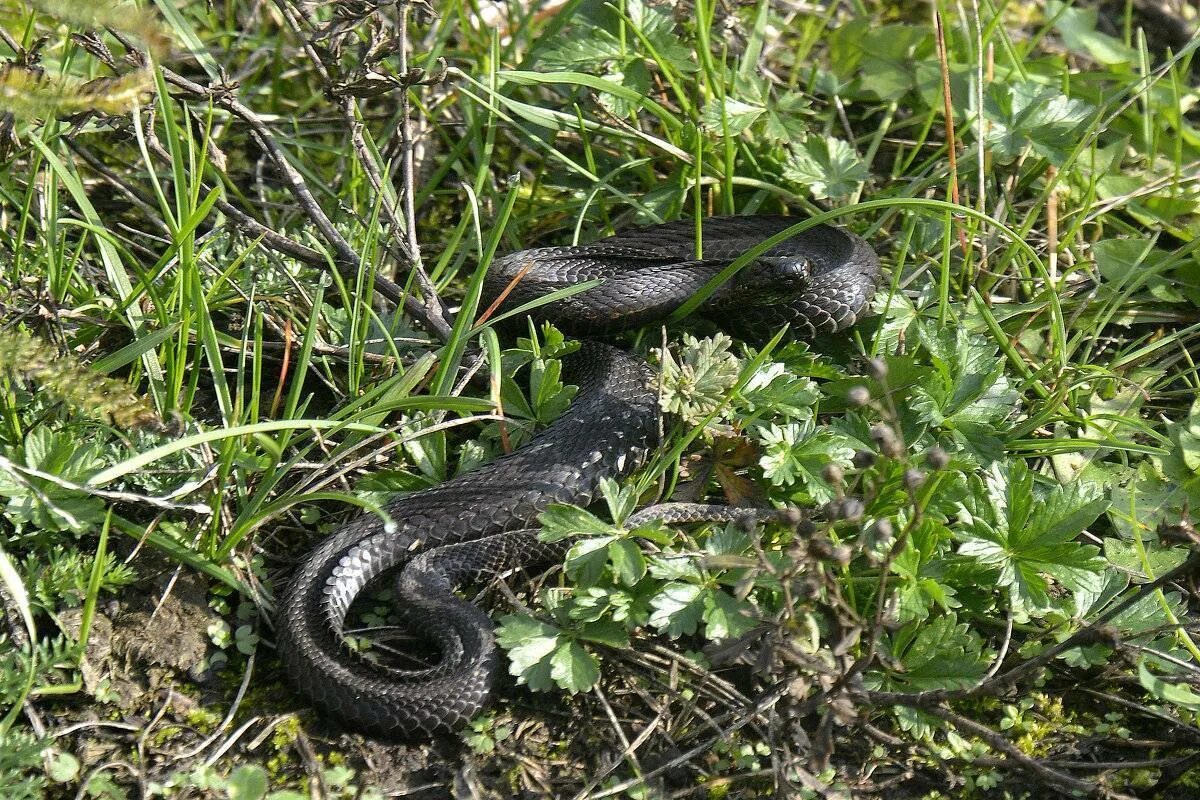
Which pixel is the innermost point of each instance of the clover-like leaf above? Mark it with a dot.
(530, 644)
(827, 166)
(1027, 538)
(573, 668)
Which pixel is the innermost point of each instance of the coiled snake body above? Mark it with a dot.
(478, 525)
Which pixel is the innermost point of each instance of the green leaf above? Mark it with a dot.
(587, 558)
(1178, 694)
(550, 397)
(43, 504)
(560, 521)
(1077, 26)
(826, 166)
(937, 654)
(726, 617)
(678, 609)
(775, 389)
(605, 632)
(1125, 555)
(785, 121)
(621, 500)
(61, 767)
(247, 783)
(738, 116)
(1027, 114)
(1027, 539)
(798, 452)
(586, 48)
(529, 644)
(574, 668)
(698, 383)
(658, 26)
(628, 563)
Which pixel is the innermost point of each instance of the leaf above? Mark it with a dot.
(1136, 262)
(585, 48)
(1178, 694)
(1027, 114)
(529, 644)
(938, 654)
(726, 617)
(658, 26)
(967, 393)
(1027, 539)
(785, 121)
(621, 500)
(827, 166)
(972, 386)
(587, 559)
(605, 632)
(628, 563)
(61, 766)
(678, 608)
(42, 504)
(560, 521)
(574, 668)
(1077, 26)
(550, 397)
(247, 782)
(798, 452)
(738, 116)
(697, 385)
(775, 389)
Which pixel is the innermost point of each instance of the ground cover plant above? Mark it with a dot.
(240, 258)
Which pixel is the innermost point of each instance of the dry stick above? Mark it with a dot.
(345, 257)
(408, 170)
(1060, 780)
(948, 111)
(410, 249)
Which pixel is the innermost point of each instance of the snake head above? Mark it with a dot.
(772, 279)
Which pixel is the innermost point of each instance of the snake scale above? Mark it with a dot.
(483, 523)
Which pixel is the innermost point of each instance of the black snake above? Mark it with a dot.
(479, 524)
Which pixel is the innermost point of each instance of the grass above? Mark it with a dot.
(272, 242)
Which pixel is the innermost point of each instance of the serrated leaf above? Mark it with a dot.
(678, 609)
(798, 452)
(658, 26)
(731, 117)
(785, 122)
(1026, 538)
(827, 166)
(726, 617)
(1027, 114)
(550, 397)
(529, 643)
(697, 384)
(938, 654)
(606, 632)
(1077, 26)
(628, 563)
(560, 521)
(773, 388)
(247, 782)
(587, 558)
(574, 668)
(585, 48)
(621, 500)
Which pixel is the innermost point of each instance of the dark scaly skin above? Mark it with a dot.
(478, 525)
